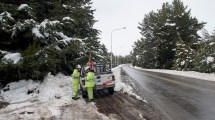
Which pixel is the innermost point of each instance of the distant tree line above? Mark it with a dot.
(120, 59)
(170, 40)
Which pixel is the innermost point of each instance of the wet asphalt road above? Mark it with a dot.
(179, 98)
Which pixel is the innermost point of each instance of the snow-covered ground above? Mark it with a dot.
(192, 74)
(51, 99)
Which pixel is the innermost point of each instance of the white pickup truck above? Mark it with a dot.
(104, 80)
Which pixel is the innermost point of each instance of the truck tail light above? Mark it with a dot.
(107, 83)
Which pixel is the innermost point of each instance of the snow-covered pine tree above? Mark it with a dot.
(160, 30)
(104, 55)
(184, 56)
(204, 61)
(49, 36)
(146, 48)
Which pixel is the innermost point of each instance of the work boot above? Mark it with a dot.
(91, 100)
(75, 98)
(88, 101)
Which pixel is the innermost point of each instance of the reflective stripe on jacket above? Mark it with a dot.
(75, 77)
(90, 79)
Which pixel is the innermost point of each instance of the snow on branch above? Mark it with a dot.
(36, 32)
(24, 7)
(5, 14)
(14, 57)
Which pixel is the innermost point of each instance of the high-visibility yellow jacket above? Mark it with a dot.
(75, 77)
(90, 79)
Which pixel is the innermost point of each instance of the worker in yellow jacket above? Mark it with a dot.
(76, 82)
(90, 83)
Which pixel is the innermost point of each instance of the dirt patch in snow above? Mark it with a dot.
(3, 104)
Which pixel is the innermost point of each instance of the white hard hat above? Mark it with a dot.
(78, 66)
(86, 68)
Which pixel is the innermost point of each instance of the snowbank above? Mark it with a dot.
(192, 74)
(50, 99)
(120, 86)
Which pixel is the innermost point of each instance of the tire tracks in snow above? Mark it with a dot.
(118, 105)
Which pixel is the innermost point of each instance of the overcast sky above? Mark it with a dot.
(114, 14)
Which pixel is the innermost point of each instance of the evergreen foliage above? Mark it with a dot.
(184, 56)
(170, 41)
(205, 56)
(51, 35)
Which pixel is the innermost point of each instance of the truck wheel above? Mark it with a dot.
(84, 93)
(111, 90)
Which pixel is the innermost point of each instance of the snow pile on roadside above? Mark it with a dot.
(120, 86)
(192, 74)
(50, 99)
(18, 91)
